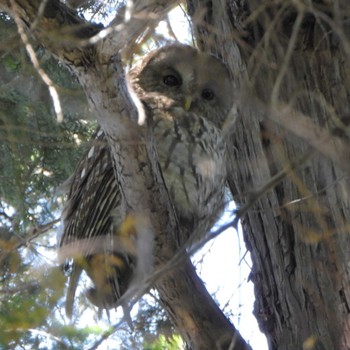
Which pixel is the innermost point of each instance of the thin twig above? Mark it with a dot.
(257, 194)
(31, 234)
(288, 56)
(34, 59)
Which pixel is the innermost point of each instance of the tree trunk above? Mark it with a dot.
(293, 79)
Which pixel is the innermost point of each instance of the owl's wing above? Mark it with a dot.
(90, 231)
(93, 195)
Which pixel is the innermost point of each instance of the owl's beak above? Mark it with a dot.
(187, 103)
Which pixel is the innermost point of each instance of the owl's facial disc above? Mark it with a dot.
(180, 76)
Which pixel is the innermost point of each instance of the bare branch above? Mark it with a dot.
(45, 78)
(321, 139)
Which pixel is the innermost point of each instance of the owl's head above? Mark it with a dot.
(181, 76)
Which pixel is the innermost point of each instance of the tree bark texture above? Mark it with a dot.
(98, 68)
(293, 83)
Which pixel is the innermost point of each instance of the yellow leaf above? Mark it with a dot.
(309, 343)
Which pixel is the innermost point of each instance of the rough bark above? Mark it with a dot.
(293, 54)
(97, 65)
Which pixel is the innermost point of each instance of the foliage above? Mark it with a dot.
(37, 155)
(175, 342)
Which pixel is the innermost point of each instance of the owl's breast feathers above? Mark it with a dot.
(191, 153)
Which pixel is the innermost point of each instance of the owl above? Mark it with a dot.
(187, 96)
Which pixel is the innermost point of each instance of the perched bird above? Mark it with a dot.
(188, 95)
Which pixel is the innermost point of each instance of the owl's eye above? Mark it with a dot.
(208, 94)
(172, 80)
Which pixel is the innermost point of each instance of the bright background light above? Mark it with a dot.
(225, 266)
